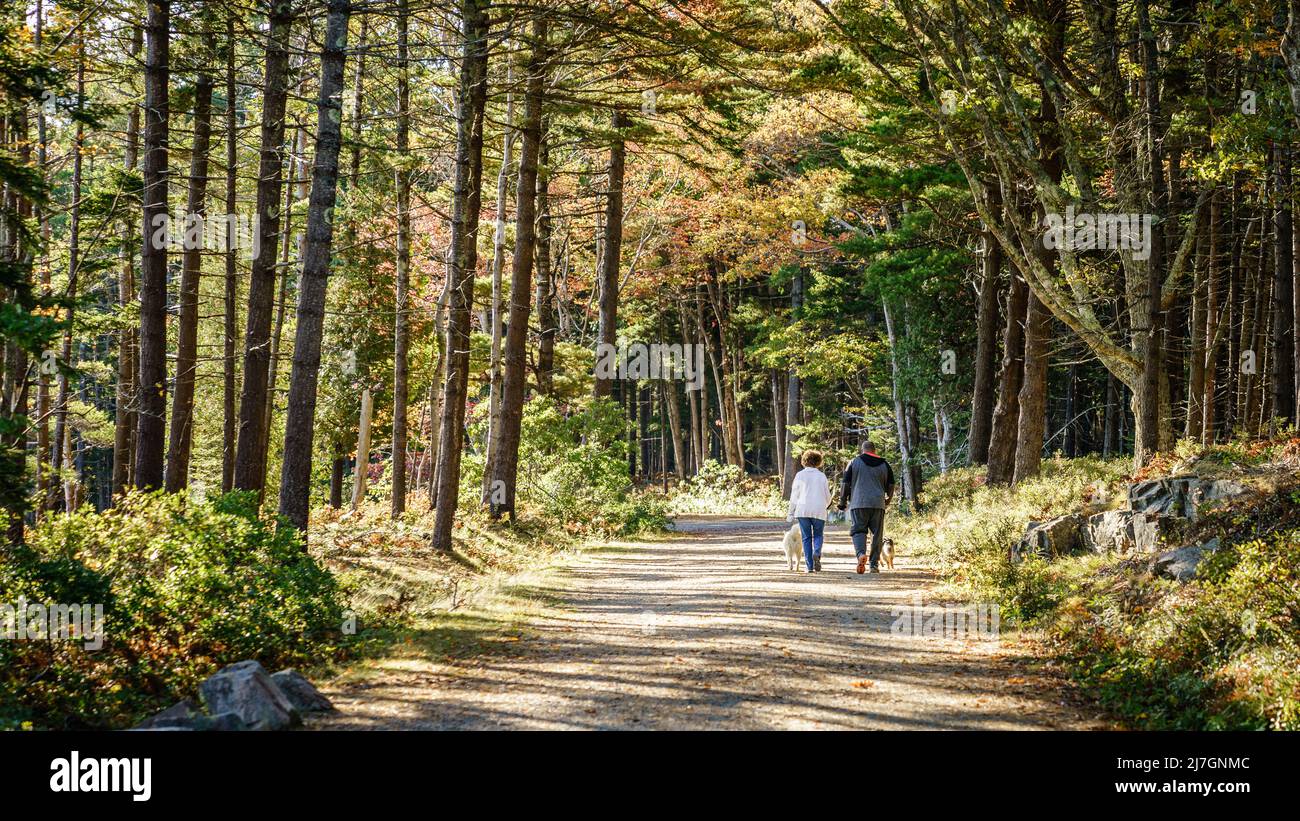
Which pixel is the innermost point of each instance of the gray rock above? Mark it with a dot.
(181, 715)
(1109, 532)
(186, 715)
(1152, 531)
(1180, 564)
(1180, 495)
(301, 693)
(1056, 537)
(246, 690)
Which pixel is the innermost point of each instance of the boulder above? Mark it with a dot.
(1151, 531)
(301, 694)
(1109, 532)
(186, 715)
(245, 689)
(1056, 537)
(1180, 495)
(1180, 564)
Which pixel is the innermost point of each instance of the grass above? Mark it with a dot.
(418, 607)
(1219, 652)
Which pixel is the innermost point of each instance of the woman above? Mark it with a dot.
(810, 496)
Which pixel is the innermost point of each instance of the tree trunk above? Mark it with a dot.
(229, 425)
(466, 200)
(611, 253)
(250, 454)
(299, 425)
(1283, 314)
(401, 321)
(152, 383)
(498, 262)
(362, 474)
(986, 348)
(1033, 391)
(792, 393)
(1006, 413)
(546, 324)
(187, 337)
(515, 377)
(125, 400)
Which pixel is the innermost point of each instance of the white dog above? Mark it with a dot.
(792, 544)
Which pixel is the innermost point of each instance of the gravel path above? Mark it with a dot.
(708, 630)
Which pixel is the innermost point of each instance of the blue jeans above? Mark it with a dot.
(811, 530)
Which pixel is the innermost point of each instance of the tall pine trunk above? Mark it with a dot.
(250, 454)
(612, 249)
(300, 419)
(515, 373)
(187, 337)
(152, 381)
(401, 318)
(466, 201)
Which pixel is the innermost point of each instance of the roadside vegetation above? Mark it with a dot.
(1221, 651)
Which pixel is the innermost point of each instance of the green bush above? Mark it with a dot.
(186, 588)
(573, 468)
(719, 489)
(1221, 652)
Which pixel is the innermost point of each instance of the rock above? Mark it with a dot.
(181, 715)
(186, 715)
(1056, 537)
(1109, 532)
(1180, 564)
(1151, 531)
(301, 693)
(1180, 495)
(246, 690)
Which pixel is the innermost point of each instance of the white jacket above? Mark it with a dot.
(810, 495)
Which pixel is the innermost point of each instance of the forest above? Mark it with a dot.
(505, 263)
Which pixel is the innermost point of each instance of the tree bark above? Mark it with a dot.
(299, 426)
(127, 340)
(1283, 313)
(1006, 413)
(187, 337)
(611, 252)
(466, 200)
(152, 382)
(401, 320)
(250, 454)
(514, 379)
(792, 394)
(986, 349)
(229, 425)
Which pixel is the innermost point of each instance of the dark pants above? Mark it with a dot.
(811, 529)
(868, 520)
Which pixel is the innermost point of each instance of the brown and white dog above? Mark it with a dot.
(887, 553)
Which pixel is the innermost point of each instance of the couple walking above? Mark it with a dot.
(866, 489)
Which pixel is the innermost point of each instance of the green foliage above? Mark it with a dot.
(720, 489)
(185, 587)
(573, 468)
(1221, 652)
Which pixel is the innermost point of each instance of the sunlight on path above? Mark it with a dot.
(710, 631)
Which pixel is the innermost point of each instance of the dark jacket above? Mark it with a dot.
(867, 481)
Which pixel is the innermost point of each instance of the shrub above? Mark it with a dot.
(725, 489)
(573, 469)
(186, 588)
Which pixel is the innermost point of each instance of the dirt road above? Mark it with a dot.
(709, 630)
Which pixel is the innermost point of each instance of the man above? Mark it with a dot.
(866, 491)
